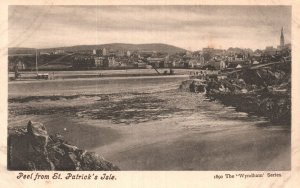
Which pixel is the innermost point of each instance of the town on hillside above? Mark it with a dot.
(208, 58)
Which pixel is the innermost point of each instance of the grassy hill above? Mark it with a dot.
(159, 47)
(17, 50)
(164, 48)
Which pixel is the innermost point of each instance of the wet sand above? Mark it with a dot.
(190, 134)
(171, 144)
(249, 149)
(196, 143)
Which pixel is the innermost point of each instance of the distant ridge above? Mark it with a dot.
(17, 50)
(159, 47)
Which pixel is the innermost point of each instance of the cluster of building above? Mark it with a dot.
(207, 58)
(109, 58)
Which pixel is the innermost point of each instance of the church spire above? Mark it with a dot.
(281, 39)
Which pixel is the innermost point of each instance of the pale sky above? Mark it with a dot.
(189, 27)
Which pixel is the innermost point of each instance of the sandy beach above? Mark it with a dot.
(153, 125)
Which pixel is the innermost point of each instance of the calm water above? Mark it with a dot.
(93, 86)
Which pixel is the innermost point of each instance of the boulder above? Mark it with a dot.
(68, 147)
(38, 136)
(194, 85)
(31, 148)
(90, 161)
(185, 85)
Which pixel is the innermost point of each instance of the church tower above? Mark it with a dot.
(282, 39)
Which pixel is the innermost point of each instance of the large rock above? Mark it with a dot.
(194, 85)
(185, 85)
(38, 136)
(31, 148)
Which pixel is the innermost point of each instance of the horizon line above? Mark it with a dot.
(140, 44)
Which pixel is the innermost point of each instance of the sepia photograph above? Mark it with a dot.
(149, 88)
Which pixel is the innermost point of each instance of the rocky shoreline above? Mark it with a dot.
(32, 148)
(277, 108)
(262, 92)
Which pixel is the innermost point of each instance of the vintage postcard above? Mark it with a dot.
(150, 94)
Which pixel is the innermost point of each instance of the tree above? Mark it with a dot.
(207, 56)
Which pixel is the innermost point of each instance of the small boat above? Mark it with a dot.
(44, 76)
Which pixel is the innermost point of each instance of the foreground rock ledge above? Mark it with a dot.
(31, 148)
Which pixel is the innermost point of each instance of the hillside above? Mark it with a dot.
(17, 50)
(165, 48)
(159, 47)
